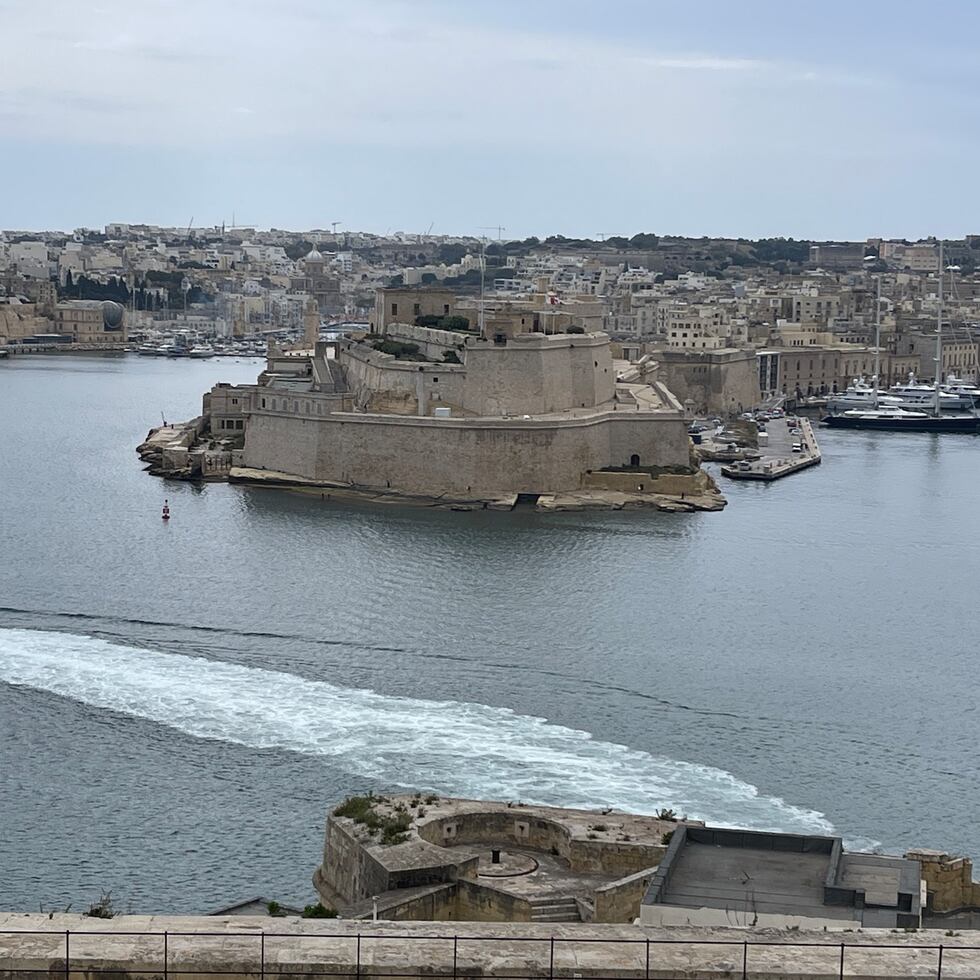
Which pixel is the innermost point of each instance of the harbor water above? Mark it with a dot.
(180, 702)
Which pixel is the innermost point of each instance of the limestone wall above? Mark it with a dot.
(612, 857)
(460, 456)
(494, 826)
(620, 900)
(481, 903)
(432, 342)
(354, 874)
(374, 377)
(204, 947)
(532, 374)
(949, 880)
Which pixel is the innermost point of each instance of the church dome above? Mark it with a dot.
(313, 256)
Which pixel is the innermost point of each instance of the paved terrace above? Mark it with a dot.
(252, 948)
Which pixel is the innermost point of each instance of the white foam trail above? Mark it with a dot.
(451, 747)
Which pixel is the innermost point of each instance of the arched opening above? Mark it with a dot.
(634, 460)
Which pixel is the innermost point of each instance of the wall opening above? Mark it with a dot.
(634, 460)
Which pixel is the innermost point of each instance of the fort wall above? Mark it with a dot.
(457, 456)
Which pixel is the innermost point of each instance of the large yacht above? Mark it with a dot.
(893, 419)
(909, 416)
(860, 394)
(917, 396)
(957, 386)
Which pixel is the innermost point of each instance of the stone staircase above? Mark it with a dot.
(554, 910)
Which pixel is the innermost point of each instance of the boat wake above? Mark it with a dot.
(451, 747)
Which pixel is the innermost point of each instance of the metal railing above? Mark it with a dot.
(458, 960)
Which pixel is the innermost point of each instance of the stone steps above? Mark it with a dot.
(555, 910)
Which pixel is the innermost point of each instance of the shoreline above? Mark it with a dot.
(172, 452)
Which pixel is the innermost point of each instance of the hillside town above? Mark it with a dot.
(724, 323)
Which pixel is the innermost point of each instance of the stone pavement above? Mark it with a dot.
(255, 947)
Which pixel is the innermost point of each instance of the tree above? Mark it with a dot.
(449, 253)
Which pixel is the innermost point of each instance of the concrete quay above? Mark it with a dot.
(254, 947)
(777, 458)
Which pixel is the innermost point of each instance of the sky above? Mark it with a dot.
(838, 120)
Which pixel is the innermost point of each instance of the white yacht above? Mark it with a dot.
(860, 394)
(915, 395)
(957, 386)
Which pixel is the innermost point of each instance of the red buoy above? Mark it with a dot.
(166, 511)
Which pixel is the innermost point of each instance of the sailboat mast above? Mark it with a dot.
(939, 328)
(877, 340)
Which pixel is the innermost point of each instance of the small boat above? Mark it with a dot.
(201, 352)
(148, 350)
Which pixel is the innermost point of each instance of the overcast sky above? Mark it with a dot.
(750, 118)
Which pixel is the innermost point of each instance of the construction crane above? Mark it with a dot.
(190, 224)
(333, 226)
(500, 229)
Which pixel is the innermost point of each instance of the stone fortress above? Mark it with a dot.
(426, 857)
(422, 857)
(458, 416)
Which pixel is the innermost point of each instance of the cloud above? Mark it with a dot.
(707, 63)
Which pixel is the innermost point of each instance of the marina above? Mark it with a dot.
(789, 446)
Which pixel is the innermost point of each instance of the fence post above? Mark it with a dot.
(551, 964)
(841, 961)
(262, 955)
(67, 953)
(357, 968)
(648, 959)
(166, 956)
(455, 941)
(745, 960)
(939, 971)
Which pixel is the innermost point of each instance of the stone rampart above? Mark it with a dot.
(461, 456)
(250, 947)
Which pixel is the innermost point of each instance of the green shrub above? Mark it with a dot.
(665, 814)
(407, 352)
(318, 911)
(275, 909)
(665, 838)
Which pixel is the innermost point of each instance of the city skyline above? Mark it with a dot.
(548, 119)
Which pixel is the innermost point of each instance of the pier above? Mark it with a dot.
(777, 457)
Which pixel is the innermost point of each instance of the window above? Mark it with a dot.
(435, 381)
(445, 309)
(394, 309)
(417, 308)
(263, 403)
(234, 401)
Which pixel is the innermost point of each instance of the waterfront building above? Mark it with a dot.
(91, 322)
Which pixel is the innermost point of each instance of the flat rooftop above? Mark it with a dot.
(748, 879)
(784, 874)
